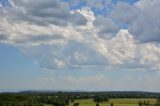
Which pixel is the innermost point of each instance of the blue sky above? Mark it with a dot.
(99, 45)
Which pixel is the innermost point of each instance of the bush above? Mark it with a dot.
(76, 104)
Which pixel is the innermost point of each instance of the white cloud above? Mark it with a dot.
(73, 44)
(150, 56)
(121, 48)
(102, 82)
(141, 18)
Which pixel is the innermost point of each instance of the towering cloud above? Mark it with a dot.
(59, 38)
(142, 19)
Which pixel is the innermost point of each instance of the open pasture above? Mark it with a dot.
(117, 102)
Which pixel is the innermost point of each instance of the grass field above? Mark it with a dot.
(117, 102)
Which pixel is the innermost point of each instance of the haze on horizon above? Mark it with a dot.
(90, 45)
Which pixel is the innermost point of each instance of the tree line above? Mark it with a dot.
(65, 98)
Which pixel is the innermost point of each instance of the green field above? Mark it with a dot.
(117, 102)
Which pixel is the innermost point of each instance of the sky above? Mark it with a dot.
(90, 45)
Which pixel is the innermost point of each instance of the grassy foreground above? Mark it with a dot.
(117, 102)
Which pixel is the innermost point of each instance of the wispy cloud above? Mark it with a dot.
(102, 82)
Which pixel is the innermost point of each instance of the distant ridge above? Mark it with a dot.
(74, 91)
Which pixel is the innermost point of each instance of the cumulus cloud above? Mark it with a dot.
(142, 19)
(45, 12)
(124, 13)
(106, 27)
(58, 38)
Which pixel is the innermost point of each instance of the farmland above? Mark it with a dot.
(117, 102)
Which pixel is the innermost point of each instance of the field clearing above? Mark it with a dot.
(117, 102)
